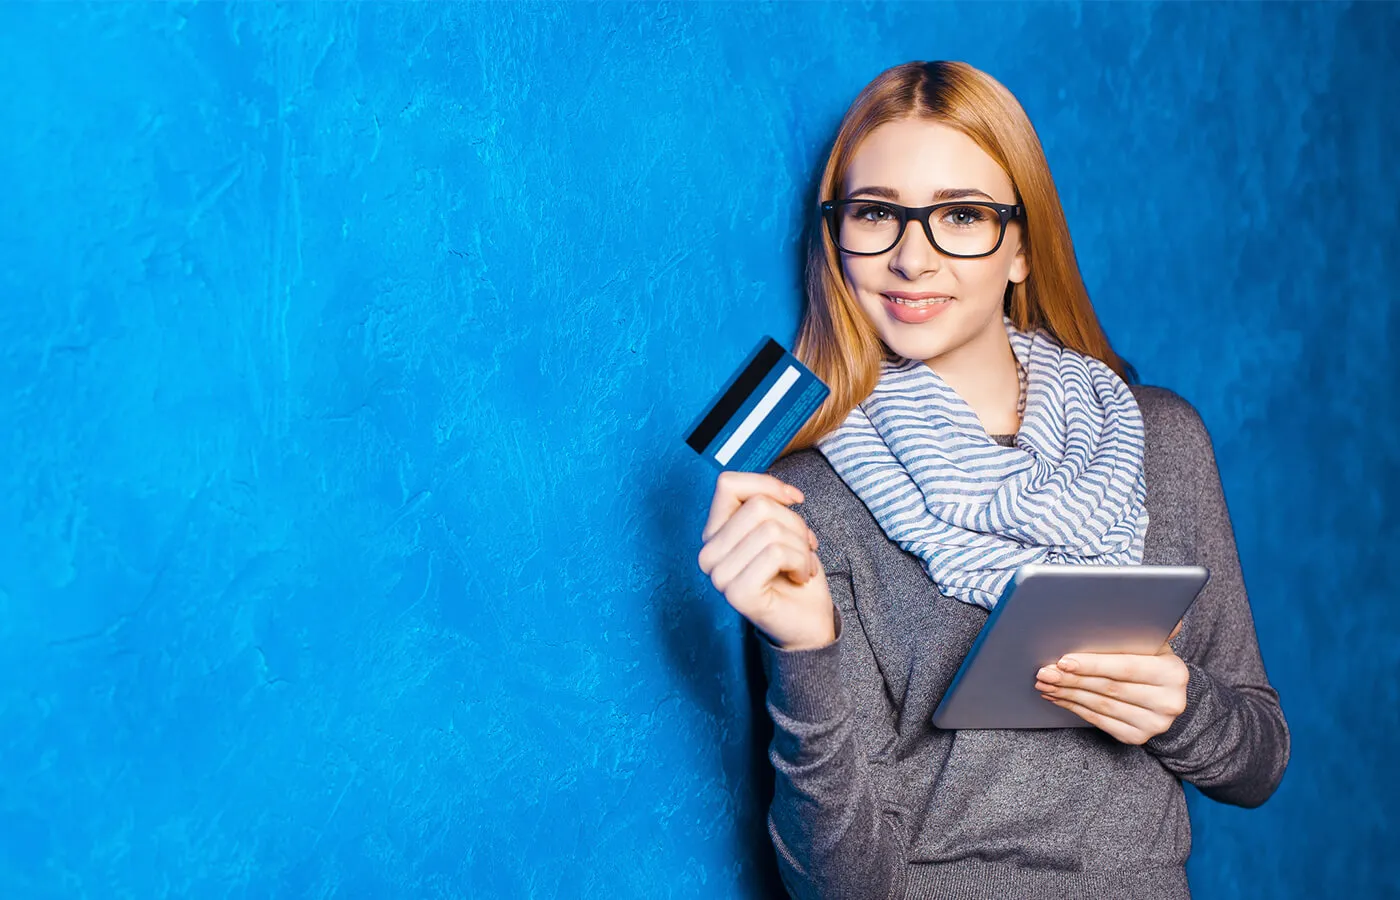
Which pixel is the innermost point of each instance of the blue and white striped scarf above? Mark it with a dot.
(1071, 491)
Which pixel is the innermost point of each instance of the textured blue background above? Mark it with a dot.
(349, 540)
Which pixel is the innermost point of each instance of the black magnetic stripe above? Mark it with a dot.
(734, 398)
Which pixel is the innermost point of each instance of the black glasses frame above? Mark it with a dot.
(831, 212)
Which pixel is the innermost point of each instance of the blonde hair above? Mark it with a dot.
(836, 340)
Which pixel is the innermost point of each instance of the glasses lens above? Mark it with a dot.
(969, 230)
(866, 227)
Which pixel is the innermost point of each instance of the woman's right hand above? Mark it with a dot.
(762, 557)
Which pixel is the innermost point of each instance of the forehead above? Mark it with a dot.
(917, 157)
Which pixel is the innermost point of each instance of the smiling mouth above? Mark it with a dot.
(921, 303)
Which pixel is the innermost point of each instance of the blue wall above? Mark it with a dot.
(350, 541)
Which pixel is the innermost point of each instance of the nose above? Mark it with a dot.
(915, 254)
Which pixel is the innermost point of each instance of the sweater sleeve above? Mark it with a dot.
(1231, 741)
(833, 741)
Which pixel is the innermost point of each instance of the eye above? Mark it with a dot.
(870, 212)
(964, 216)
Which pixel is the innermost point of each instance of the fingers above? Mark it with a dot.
(785, 549)
(765, 565)
(761, 556)
(1160, 669)
(1129, 724)
(757, 510)
(758, 513)
(1130, 696)
(733, 488)
(1075, 687)
(1160, 707)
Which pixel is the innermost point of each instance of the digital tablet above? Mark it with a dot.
(1050, 610)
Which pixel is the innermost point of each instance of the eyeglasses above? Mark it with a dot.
(965, 229)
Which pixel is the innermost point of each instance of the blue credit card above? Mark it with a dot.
(758, 411)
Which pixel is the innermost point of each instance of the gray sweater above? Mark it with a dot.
(872, 802)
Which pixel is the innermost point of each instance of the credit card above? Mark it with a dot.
(758, 411)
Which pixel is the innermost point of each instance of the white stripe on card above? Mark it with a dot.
(757, 415)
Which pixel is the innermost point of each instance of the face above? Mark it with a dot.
(917, 162)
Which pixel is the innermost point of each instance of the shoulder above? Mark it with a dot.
(809, 472)
(803, 468)
(1164, 408)
(1174, 430)
(827, 500)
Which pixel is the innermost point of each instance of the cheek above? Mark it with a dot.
(858, 274)
(988, 280)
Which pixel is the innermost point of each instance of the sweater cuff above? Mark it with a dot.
(805, 685)
(1200, 694)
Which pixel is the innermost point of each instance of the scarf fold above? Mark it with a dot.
(1072, 490)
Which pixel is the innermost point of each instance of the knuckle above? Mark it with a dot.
(771, 530)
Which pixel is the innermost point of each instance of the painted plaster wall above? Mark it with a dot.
(349, 544)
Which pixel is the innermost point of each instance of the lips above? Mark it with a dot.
(906, 295)
(915, 312)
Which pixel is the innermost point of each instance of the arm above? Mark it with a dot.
(1231, 741)
(833, 740)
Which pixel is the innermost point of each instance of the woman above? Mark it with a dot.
(978, 420)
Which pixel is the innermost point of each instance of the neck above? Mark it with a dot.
(983, 373)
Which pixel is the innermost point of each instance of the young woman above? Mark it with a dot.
(978, 420)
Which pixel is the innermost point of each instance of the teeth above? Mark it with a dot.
(920, 303)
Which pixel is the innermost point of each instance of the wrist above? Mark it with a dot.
(816, 640)
(805, 684)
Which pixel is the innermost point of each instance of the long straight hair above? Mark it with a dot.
(836, 340)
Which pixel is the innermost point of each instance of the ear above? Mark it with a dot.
(1020, 264)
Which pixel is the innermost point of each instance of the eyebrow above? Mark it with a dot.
(938, 196)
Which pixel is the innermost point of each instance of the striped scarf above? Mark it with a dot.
(1071, 491)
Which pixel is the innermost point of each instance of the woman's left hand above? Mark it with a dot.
(1131, 696)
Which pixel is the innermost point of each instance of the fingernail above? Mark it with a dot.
(795, 494)
(1067, 664)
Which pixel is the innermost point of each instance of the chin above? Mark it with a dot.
(919, 349)
(937, 337)
(925, 342)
